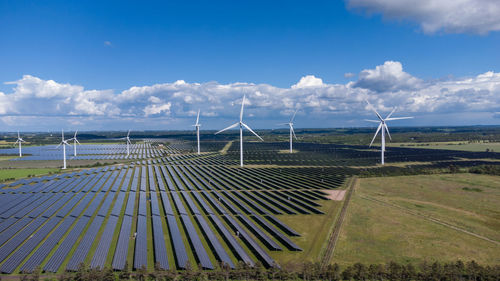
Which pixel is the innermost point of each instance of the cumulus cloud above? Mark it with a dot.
(387, 77)
(157, 109)
(451, 16)
(385, 86)
(308, 81)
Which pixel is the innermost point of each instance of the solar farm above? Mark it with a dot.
(167, 207)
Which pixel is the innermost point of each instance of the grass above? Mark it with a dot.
(464, 146)
(3, 158)
(23, 173)
(314, 232)
(392, 219)
(226, 147)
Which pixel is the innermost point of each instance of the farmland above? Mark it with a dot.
(416, 218)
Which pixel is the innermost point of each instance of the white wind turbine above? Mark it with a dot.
(19, 140)
(128, 142)
(75, 141)
(64, 143)
(383, 125)
(292, 132)
(197, 125)
(241, 124)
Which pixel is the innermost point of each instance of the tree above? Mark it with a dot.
(140, 275)
(125, 273)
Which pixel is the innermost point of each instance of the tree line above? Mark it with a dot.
(441, 271)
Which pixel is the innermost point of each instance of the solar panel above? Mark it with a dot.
(105, 242)
(41, 253)
(159, 243)
(60, 254)
(141, 244)
(181, 257)
(84, 246)
(120, 256)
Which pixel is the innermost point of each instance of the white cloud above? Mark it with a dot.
(157, 109)
(308, 81)
(387, 77)
(349, 75)
(451, 16)
(385, 86)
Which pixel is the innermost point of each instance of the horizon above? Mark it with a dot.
(235, 131)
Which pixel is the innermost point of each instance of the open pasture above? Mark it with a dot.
(417, 218)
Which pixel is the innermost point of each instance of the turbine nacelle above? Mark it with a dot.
(241, 125)
(382, 127)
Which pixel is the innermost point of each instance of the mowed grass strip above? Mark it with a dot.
(314, 231)
(23, 173)
(375, 232)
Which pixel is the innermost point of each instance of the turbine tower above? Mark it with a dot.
(128, 142)
(63, 143)
(292, 132)
(241, 124)
(197, 126)
(383, 126)
(19, 140)
(75, 141)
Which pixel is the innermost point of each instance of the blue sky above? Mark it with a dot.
(69, 62)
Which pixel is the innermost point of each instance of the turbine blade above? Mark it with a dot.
(16, 142)
(76, 132)
(293, 117)
(376, 133)
(128, 134)
(283, 124)
(18, 135)
(248, 128)
(198, 117)
(228, 128)
(373, 108)
(389, 116)
(387, 130)
(58, 145)
(374, 121)
(242, 105)
(293, 131)
(398, 118)
(77, 141)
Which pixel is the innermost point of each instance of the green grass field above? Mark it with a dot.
(416, 218)
(22, 173)
(3, 158)
(314, 232)
(464, 146)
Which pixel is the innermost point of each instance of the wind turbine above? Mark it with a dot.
(383, 125)
(128, 142)
(19, 140)
(241, 124)
(197, 125)
(63, 143)
(75, 141)
(292, 132)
